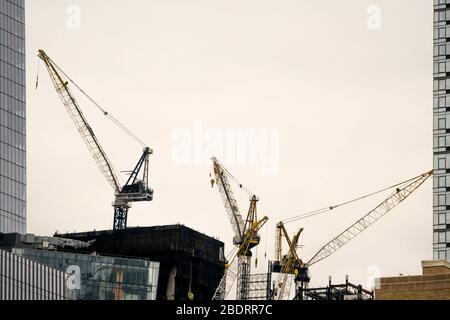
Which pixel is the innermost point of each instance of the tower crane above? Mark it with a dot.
(136, 187)
(245, 234)
(301, 270)
(288, 265)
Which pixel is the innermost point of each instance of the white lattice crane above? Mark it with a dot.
(402, 191)
(136, 188)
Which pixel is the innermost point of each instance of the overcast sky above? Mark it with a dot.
(341, 104)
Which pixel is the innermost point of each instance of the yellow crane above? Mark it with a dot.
(245, 234)
(289, 265)
(292, 264)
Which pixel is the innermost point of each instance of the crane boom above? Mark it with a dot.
(231, 206)
(85, 130)
(136, 188)
(359, 226)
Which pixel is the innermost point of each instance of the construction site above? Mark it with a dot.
(194, 266)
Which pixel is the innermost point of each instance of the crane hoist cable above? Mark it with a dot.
(332, 207)
(105, 113)
(240, 185)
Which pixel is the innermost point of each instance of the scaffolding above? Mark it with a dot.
(347, 291)
(257, 286)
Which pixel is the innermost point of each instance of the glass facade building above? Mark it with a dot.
(25, 279)
(441, 134)
(100, 277)
(12, 117)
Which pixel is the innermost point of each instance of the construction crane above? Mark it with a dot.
(245, 234)
(288, 265)
(136, 187)
(402, 191)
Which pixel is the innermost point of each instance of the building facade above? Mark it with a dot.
(433, 284)
(98, 277)
(441, 134)
(25, 279)
(191, 263)
(12, 117)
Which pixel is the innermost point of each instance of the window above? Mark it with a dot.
(441, 123)
(441, 181)
(441, 141)
(441, 163)
(441, 201)
(442, 218)
(441, 237)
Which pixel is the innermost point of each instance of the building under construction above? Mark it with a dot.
(191, 263)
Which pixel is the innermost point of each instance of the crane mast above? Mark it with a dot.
(135, 189)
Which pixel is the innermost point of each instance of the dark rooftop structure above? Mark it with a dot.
(190, 262)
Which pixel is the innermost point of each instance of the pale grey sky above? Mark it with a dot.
(352, 106)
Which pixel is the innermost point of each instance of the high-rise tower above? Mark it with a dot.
(441, 130)
(12, 117)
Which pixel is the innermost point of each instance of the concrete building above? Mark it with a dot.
(12, 117)
(433, 284)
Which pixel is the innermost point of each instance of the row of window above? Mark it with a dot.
(441, 141)
(441, 254)
(11, 171)
(12, 105)
(12, 25)
(441, 15)
(12, 154)
(12, 189)
(441, 237)
(12, 89)
(441, 67)
(14, 218)
(440, 162)
(441, 199)
(441, 181)
(436, 2)
(13, 8)
(8, 224)
(441, 101)
(15, 73)
(441, 32)
(441, 49)
(440, 121)
(12, 205)
(13, 138)
(13, 58)
(441, 218)
(11, 121)
(441, 84)
(13, 42)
